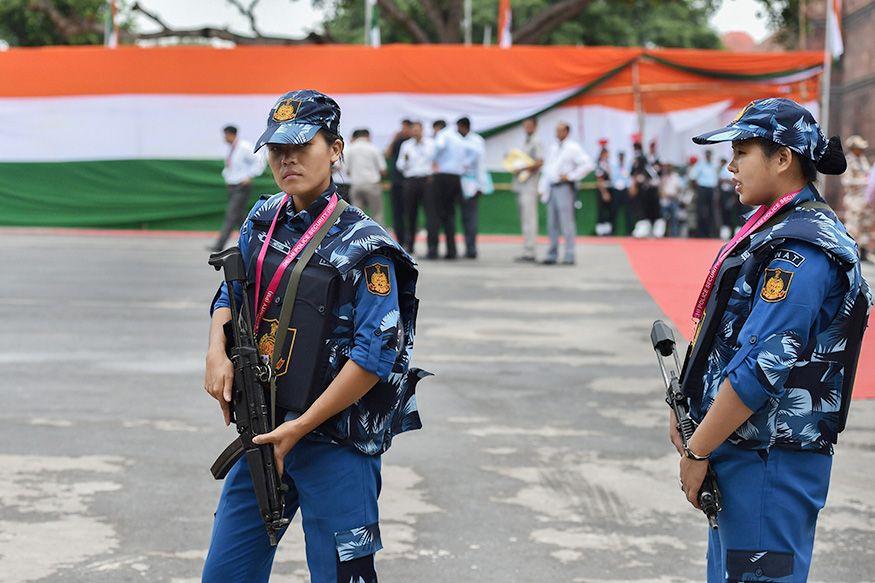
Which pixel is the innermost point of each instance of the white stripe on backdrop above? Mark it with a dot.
(189, 127)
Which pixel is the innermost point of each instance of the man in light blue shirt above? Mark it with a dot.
(704, 176)
(449, 162)
(475, 183)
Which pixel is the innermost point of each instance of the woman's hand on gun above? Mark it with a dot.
(674, 435)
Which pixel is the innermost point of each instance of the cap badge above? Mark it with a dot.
(286, 110)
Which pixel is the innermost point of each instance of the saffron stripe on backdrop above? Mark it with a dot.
(435, 69)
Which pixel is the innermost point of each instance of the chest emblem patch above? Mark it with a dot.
(267, 341)
(776, 285)
(378, 279)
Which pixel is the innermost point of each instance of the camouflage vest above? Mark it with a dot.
(389, 408)
(813, 406)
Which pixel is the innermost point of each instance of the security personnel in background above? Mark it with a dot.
(328, 453)
(769, 372)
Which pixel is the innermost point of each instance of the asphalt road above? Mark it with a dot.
(543, 458)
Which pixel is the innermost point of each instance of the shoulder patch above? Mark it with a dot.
(776, 284)
(789, 256)
(377, 277)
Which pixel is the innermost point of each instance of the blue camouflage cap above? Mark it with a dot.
(778, 119)
(297, 117)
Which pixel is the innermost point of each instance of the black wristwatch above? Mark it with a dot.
(699, 458)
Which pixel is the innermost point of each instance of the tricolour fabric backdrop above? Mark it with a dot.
(132, 137)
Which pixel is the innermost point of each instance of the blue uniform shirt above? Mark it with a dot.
(371, 311)
(781, 334)
(798, 296)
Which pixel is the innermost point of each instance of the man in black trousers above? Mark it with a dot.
(396, 183)
(450, 159)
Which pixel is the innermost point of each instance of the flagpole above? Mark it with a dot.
(110, 30)
(369, 19)
(467, 23)
(826, 79)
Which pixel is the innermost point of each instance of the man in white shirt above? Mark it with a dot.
(241, 166)
(475, 183)
(565, 164)
(449, 161)
(705, 176)
(365, 166)
(525, 185)
(414, 164)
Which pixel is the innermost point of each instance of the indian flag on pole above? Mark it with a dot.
(505, 19)
(110, 34)
(372, 23)
(834, 23)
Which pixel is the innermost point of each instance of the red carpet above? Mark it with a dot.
(672, 272)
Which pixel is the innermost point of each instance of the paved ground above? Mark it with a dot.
(543, 456)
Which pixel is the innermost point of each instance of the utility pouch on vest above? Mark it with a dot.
(302, 379)
(850, 356)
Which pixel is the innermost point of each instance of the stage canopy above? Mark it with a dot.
(133, 135)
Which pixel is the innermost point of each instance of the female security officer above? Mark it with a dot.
(769, 373)
(329, 453)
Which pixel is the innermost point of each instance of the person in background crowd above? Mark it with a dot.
(621, 180)
(655, 211)
(366, 167)
(645, 188)
(859, 213)
(670, 188)
(341, 179)
(731, 208)
(704, 179)
(396, 181)
(241, 166)
(414, 163)
(605, 209)
(565, 164)
(450, 155)
(525, 185)
(870, 193)
(475, 183)
(653, 157)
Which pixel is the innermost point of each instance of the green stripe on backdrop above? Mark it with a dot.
(175, 195)
(705, 72)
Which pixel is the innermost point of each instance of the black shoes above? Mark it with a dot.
(554, 262)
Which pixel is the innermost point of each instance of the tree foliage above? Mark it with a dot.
(668, 23)
(673, 23)
(783, 18)
(23, 24)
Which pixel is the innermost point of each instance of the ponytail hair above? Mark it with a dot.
(831, 162)
(833, 159)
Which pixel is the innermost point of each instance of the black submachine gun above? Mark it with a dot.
(664, 345)
(250, 408)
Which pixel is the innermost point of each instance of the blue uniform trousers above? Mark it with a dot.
(770, 506)
(336, 489)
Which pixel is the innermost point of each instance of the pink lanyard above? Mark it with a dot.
(294, 252)
(759, 218)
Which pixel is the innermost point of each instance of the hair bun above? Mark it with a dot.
(833, 159)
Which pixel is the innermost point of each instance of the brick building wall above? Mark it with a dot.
(852, 99)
